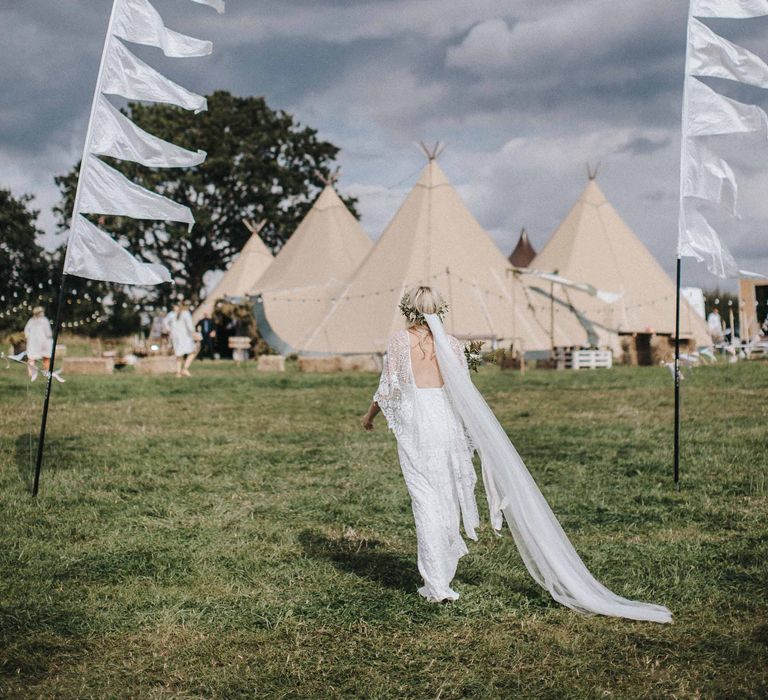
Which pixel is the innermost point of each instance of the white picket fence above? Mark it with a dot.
(568, 358)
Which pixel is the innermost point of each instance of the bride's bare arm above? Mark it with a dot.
(373, 411)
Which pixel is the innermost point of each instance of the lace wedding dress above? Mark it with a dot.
(437, 431)
(436, 461)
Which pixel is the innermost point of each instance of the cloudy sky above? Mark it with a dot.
(524, 92)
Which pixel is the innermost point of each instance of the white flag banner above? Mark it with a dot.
(217, 5)
(138, 21)
(128, 76)
(715, 57)
(117, 136)
(93, 254)
(707, 176)
(699, 240)
(729, 9)
(712, 114)
(103, 190)
(704, 175)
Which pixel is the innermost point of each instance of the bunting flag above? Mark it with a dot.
(606, 297)
(96, 255)
(116, 136)
(91, 252)
(706, 179)
(128, 76)
(140, 23)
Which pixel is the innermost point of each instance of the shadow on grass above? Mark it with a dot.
(364, 558)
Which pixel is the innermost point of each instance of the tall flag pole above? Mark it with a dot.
(91, 252)
(707, 181)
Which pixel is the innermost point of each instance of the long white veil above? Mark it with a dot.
(546, 550)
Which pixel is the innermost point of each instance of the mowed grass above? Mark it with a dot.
(237, 535)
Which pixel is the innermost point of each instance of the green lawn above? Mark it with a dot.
(237, 535)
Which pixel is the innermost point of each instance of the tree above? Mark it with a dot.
(24, 263)
(261, 164)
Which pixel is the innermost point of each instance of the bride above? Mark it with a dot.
(439, 419)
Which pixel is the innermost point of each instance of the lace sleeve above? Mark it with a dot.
(389, 395)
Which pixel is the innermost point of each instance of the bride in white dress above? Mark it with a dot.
(439, 419)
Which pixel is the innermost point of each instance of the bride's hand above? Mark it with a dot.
(367, 422)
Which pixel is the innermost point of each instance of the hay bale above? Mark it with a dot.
(313, 365)
(360, 363)
(270, 363)
(157, 364)
(88, 365)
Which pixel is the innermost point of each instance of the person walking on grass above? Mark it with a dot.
(183, 337)
(439, 419)
(39, 338)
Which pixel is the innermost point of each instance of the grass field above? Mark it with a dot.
(237, 535)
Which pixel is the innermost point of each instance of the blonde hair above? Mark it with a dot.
(38, 311)
(425, 300)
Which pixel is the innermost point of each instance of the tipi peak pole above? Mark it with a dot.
(331, 179)
(434, 152)
(253, 227)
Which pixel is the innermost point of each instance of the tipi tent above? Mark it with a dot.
(249, 265)
(594, 245)
(523, 253)
(433, 239)
(316, 261)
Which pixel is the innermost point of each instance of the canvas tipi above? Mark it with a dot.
(433, 239)
(594, 245)
(315, 262)
(238, 280)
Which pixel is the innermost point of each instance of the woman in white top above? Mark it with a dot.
(183, 339)
(439, 419)
(39, 337)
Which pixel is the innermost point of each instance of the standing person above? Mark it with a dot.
(182, 331)
(439, 418)
(207, 330)
(715, 324)
(39, 338)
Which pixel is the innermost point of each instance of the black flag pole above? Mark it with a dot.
(677, 376)
(46, 402)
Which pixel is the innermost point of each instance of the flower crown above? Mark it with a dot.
(413, 315)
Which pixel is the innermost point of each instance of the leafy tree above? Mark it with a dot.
(261, 164)
(24, 263)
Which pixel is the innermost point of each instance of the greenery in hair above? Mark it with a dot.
(414, 316)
